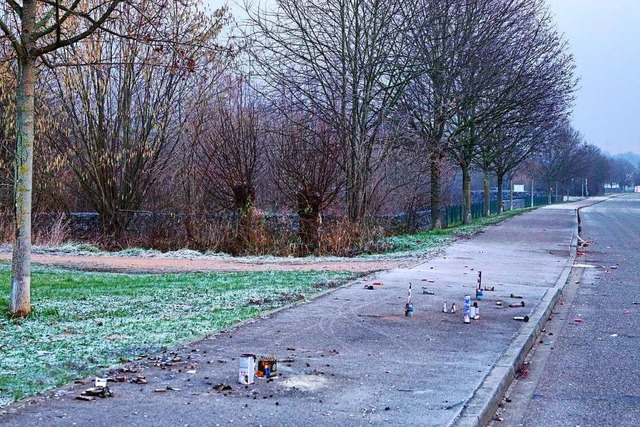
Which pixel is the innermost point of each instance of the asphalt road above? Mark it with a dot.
(585, 370)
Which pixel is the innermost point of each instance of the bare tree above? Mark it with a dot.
(232, 155)
(346, 63)
(622, 172)
(441, 32)
(561, 157)
(304, 156)
(594, 166)
(506, 149)
(535, 94)
(519, 74)
(124, 113)
(34, 29)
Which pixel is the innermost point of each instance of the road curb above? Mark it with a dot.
(481, 407)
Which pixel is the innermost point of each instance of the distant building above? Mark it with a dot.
(637, 189)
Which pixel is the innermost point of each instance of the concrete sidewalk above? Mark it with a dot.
(352, 357)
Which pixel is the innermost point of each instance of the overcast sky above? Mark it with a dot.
(604, 37)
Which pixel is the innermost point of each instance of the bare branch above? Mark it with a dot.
(57, 27)
(12, 37)
(95, 24)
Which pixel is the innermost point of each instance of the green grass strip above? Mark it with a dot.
(83, 322)
(405, 244)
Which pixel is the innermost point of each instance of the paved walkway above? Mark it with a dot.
(351, 357)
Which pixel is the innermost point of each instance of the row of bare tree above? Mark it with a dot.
(348, 106)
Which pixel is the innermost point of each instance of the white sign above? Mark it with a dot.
(518, 188)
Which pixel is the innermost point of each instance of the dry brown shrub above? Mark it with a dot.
(52, 232)
(345, 238)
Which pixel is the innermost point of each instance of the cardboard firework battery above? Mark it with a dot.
(247, 371)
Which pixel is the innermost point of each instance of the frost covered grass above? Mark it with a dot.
(83, 322)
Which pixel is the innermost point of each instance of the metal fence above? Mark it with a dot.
(452, 215)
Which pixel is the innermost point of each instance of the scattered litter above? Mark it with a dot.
(613, 335)
(222, 387)
(267, 367)
(86, 398)
(377, 283)
(426, 291)
(139, 379)
(479, 292)
(191, 371)
(369, 287)
(453, 307)
(408, 308)
(499, 302)
(466, 317)
(97, 392)
(247, 369)
(517, 304)
(516, 296)
(577, 320)
(521, 318)
(167, 388)
(614, 267)
(490, 288)
(444, 307)
(636, 303)
(101, 382)
(522, 372)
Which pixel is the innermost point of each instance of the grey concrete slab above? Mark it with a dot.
(352, 357)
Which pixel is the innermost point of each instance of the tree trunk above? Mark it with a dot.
(309, 216)
(436, 196)
(356, 195)
(243, 197)
(500, 179)
(466, 195)
(486, 189)
(20, 299)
